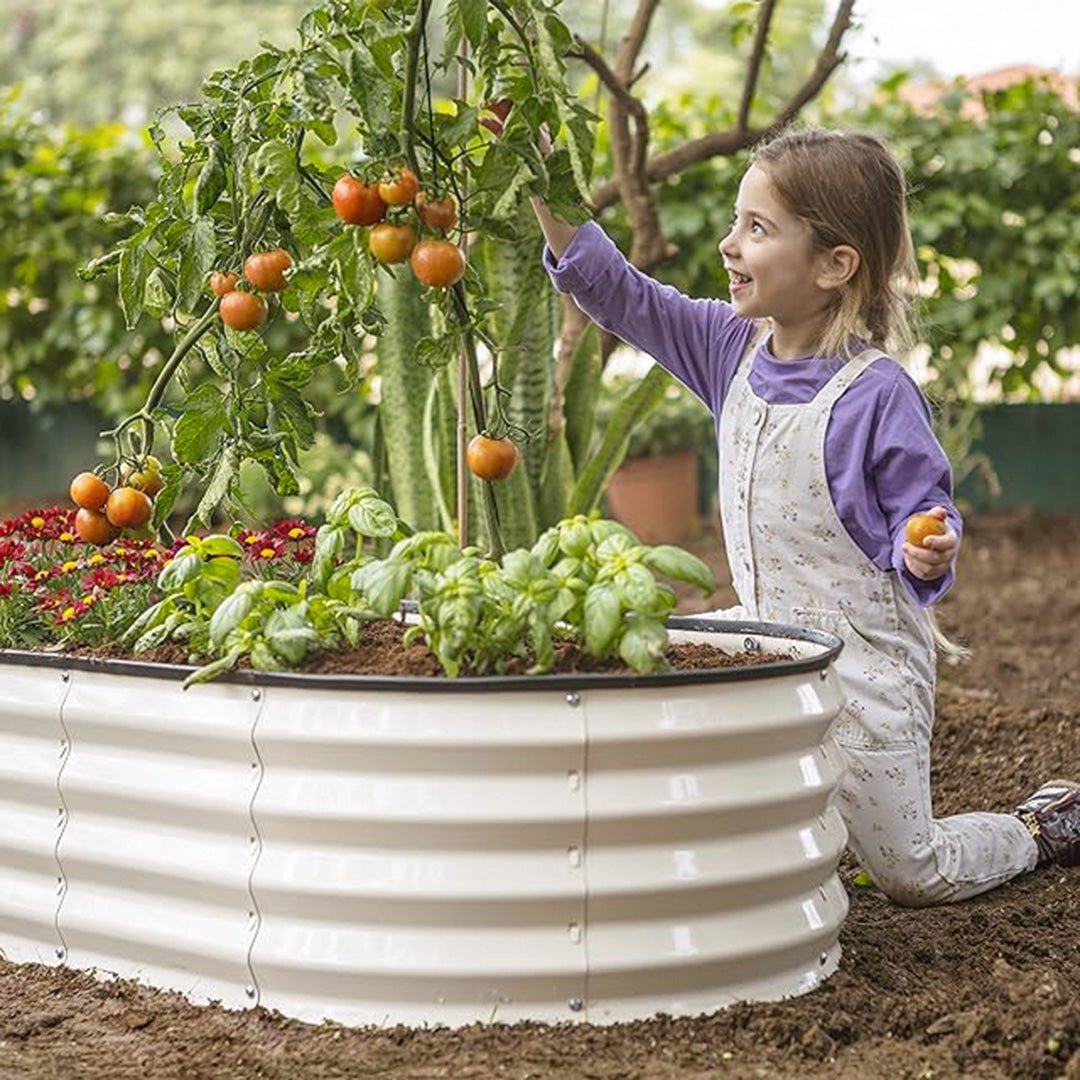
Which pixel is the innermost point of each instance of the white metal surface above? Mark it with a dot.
(374, 855)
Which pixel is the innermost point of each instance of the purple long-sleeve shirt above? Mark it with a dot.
(882, 460)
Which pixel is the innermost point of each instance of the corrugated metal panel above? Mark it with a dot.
(31, 749)
(421, 856)
(373, 855)
(159, 844)
(712, 845)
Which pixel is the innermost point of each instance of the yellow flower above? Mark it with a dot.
(89, 599)
(67, 537)
(69, 566)
(37, 522)
(94, 560)
(41, 575)
(296, 533)
(149, 553)
(69, 613)
(267, 553)
(251, 538)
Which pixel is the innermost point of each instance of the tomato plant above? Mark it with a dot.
(266, 270)
(243, 310)
(89, 491)
(491, 459)
(392, 243)
(357, 203)
(920, 526)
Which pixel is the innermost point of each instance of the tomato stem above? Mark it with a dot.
(414, 36)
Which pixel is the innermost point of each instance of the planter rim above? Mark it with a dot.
(832, 646)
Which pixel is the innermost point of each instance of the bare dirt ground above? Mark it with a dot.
(986, 990)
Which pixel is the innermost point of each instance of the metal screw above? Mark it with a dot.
(250, 991)
(256, 694)
(65, 676)
(60, 953)
(823, 674)
(751, 645)
(573, 699)
(823, 959)
(576, 1004)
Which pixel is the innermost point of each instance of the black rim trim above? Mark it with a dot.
(481, 683)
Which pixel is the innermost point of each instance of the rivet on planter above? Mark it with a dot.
(823, 959)
(60, 953)
(256, 694)
(573, 699)
(751, 645)
(576, 1004)
(574, 855)
(250, 991)
(823, 674)
(575, 933)
(65, 676)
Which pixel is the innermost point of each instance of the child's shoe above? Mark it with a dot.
(1052, 815)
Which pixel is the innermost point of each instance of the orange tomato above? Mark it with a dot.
(357, 203)
(437, 263)
(89, 491)
(491, 459)
(438, 213)
(920, 526)
(222, 283)
(128, 508)
(266, 269)
(391, 243)
(243, 310)
(401, 190)
(93, 527)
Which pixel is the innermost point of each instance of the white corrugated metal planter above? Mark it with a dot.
(425, 851)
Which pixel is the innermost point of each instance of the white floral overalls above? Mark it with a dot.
(792, 561)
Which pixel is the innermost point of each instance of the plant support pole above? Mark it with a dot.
(463, 357)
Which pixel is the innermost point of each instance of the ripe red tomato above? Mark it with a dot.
(437, 263)
(243, 310)
(357, 203)
(438, 213)
(93, 527)
(266, 270)
(391, 243)
(89, 491)
(491, 459)
(920, 526)
(222, 283)
(128, 508)
(401, 190)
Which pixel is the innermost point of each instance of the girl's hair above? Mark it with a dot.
(848, 187)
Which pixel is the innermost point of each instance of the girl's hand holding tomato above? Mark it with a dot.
(930, 544)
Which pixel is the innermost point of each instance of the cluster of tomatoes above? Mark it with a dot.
(104, 511)
(265, 270)
(437, 263)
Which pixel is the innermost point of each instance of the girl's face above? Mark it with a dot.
(772, 266)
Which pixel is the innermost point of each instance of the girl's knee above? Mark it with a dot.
(912, 881)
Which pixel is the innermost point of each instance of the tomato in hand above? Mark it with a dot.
(357, 203)
(222, 283)
(401, 190)
(243, 310)
(89, 491)
(437, 263)
(391, 243)
(491, 459)
(93, 527)
(920, 526)
(438, 213)
(128, 508)
(266, 270)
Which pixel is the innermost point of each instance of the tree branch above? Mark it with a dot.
(757, 54)
(722, 143)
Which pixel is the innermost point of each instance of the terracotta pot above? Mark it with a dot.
(657, 497)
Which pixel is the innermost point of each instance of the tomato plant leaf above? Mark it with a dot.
(473, 15)
(200, 425)
(131, 278)
(198, 254)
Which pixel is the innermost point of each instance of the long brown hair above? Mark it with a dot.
(848, 187)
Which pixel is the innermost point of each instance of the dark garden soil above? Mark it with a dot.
(984, 990)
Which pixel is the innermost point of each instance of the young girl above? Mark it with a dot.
(826, 450)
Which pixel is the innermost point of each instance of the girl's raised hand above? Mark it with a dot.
(931, 545)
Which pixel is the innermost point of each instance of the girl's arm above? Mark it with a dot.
(696, 340)
(557, 233)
